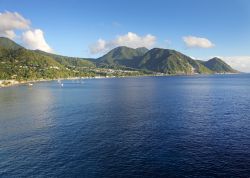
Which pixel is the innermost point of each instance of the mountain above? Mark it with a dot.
(161, 60)
(170, 62)
(157, 60)
(142, 50)
(70, 62)
(122, 56)
(8, 44)
(19, 63)
(219, 66)
(22, 64)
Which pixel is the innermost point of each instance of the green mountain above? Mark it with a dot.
(219, 66)
(70, 62)
(22, 64)
(171, 62)
(19, 63)
(161, 60)
(8, 44)
(142, 50)
(122, 57)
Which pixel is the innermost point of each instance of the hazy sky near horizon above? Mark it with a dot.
(89, 28)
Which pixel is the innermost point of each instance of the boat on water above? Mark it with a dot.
(30, 84)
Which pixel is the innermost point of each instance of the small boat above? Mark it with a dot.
(30, 84)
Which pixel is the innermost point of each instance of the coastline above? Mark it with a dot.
(11, 82)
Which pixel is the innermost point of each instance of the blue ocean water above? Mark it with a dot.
(179, 126)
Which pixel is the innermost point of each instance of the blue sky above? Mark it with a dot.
(73, 27)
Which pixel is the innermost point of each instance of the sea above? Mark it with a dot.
(169, 126)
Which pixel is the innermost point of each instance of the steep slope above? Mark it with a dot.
(122, 56)
(171, 62)
(19, 63)
(219, 66)
(9, 44)
(142, 50)
(69, 61)
(22, 64)
(161, 60)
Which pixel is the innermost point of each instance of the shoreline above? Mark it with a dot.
(11, 82)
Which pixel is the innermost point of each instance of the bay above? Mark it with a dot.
(177, 126)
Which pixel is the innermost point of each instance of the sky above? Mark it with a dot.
(201, 29)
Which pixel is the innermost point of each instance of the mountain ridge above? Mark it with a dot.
(161, 60)
(219, 66)
(23, 63)
(121, 55)
(9, 44)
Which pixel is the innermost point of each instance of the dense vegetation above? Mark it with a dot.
(161, 60)
(219, 66)
(122, 56)
(171, 62)
(20, 64)
(70, 62)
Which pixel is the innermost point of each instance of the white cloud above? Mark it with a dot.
(198, 42)
(240, 63)
(130, 40)
(10, 21)
(34, 39)
(8, 34)
(98, 47)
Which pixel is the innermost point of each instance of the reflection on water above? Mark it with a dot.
(25, 107)
(151, 127)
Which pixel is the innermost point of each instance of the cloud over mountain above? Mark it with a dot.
(240, 63)
(11, 22)
(34, 39)
(130, 40)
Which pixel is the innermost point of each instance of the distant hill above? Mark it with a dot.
(219, 66)
(122, 56)
(69, 61)
(161, 60)
(8, 44)
(171, 62)
(19, 63)
(142, 50)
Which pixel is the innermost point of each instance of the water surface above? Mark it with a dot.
(190, 126)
